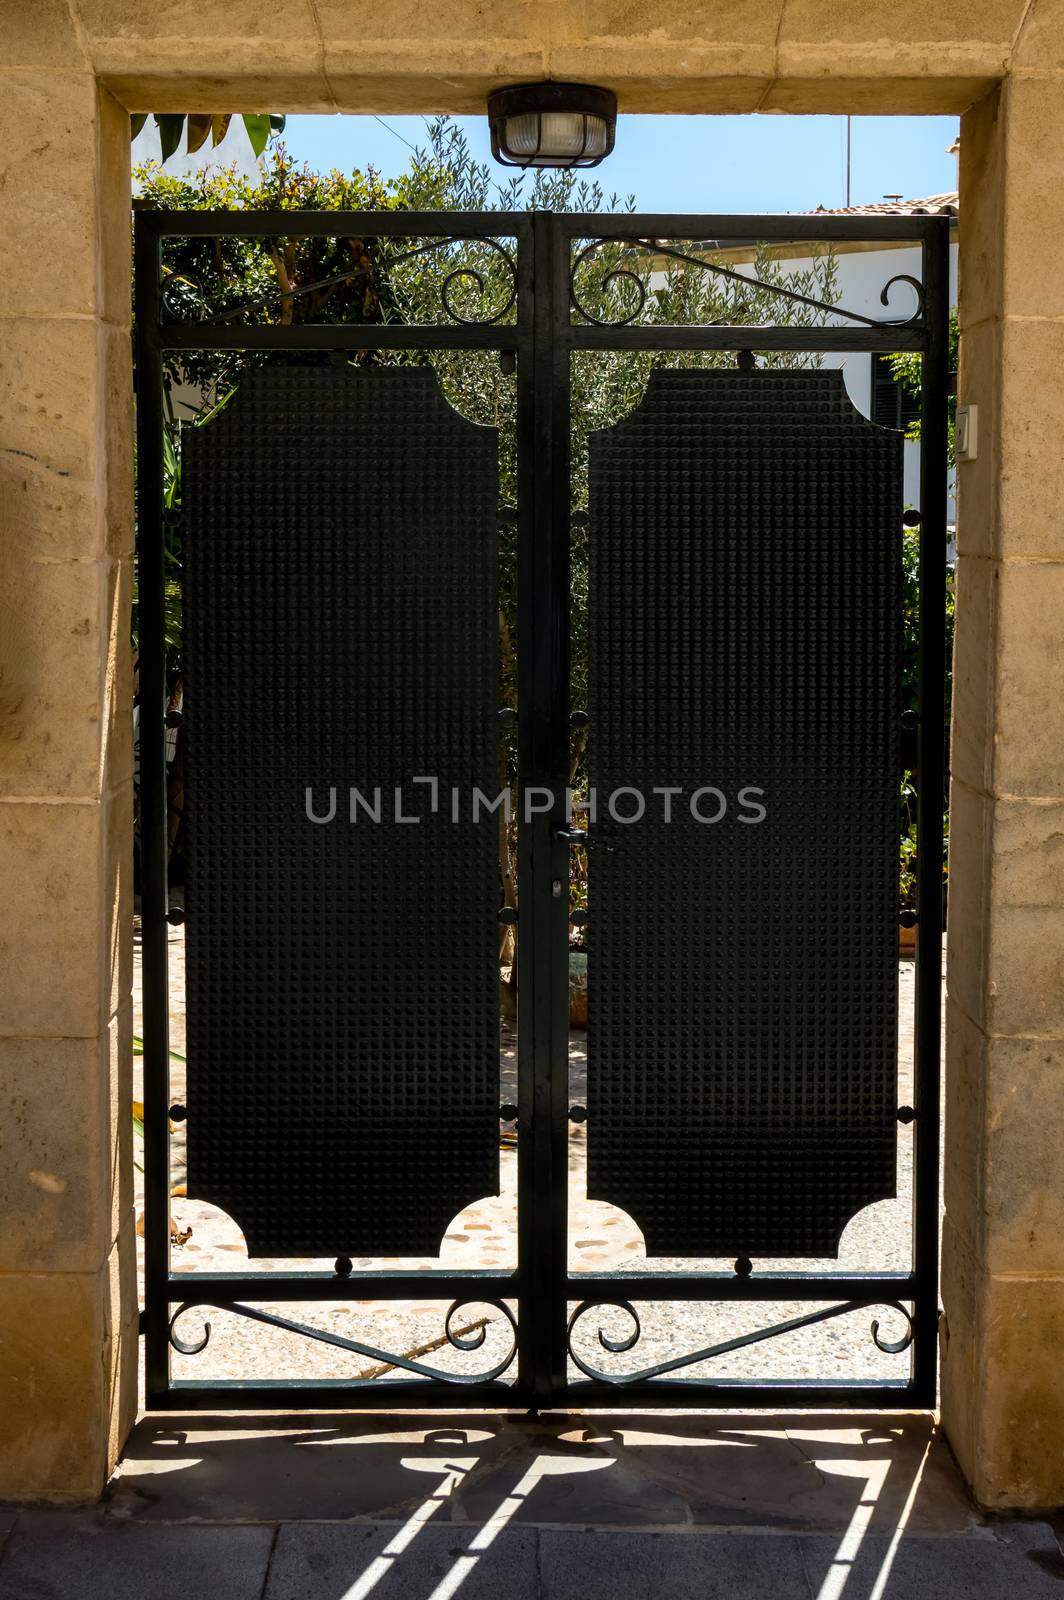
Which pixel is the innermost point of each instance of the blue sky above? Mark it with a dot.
(754, 163)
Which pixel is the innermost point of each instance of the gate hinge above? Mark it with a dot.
(142, 1324)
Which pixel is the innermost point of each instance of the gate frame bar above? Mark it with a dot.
(543, 338)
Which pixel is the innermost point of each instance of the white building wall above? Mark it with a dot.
(861, 277)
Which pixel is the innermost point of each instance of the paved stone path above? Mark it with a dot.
(484, 1236)
(481, 1507)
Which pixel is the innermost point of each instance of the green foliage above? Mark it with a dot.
(910, 593)
(908, 843)
(261, 281)
(258, 282)
(908, 370)
(201, 124)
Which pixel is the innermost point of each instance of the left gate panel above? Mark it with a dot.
(341, 634)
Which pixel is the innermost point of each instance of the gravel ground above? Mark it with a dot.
(601, 1238)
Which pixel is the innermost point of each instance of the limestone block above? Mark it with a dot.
(114, 188)
(52, 646)
(974, 672)
(399, 77)
(48, 128)
(1018, 1460)
(67, 1377)
(122, 1347)
(116, 922)
(969, 874)
(115, 418)
(959, 1345)
(982, 207)
(56, 950)
(42, 35)
(1029, 725)
(65, 1149)
(1040, 42)
(118, 675)
(490, 24)
(1023, 1181)
(170, 75)
(965, 1126)
(724, 79)
(65, 391)
(191, 55)
(904, 25)
(1004, 1158)
(1028, 853)
(1025, 971)
(1033, 208)
(1028, 453)
(933, 80)
(978, 482)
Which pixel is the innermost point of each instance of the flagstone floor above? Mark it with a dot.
(475, 1506)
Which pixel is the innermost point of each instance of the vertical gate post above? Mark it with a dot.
(1003, 1256)
(68, 1305)
(928, 1014)
(543, 721)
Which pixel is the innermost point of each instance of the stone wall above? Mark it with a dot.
(73, 69)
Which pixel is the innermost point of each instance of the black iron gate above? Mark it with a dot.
(747, 731)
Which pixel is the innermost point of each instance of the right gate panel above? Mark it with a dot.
(745, 551)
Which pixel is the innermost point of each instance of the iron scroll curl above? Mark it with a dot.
(172, 281)
(457, 1340)
(618, 1346)
(656, 248)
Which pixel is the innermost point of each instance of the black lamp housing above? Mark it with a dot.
(552, 125)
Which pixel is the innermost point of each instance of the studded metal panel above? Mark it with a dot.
(745, 536)
(341, 630)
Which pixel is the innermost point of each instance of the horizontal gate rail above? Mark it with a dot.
(326, 336)
(227, 1288)
(748, 337)
(864, 1288)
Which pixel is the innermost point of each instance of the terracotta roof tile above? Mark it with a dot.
(940, 205)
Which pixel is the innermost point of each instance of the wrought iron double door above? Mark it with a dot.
(348, 571)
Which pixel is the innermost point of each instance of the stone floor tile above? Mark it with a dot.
(67, 1557)
(999, 1561)
(679, 1566)
(334, 1561)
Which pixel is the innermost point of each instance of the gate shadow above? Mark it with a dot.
(794, 1472)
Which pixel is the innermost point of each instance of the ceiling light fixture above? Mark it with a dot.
(552, 124)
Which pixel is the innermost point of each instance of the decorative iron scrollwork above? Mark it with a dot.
(620, 274)
(616, 275)
(458, 1340)
(619, 1346)
(466, 271)
(470, 272)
